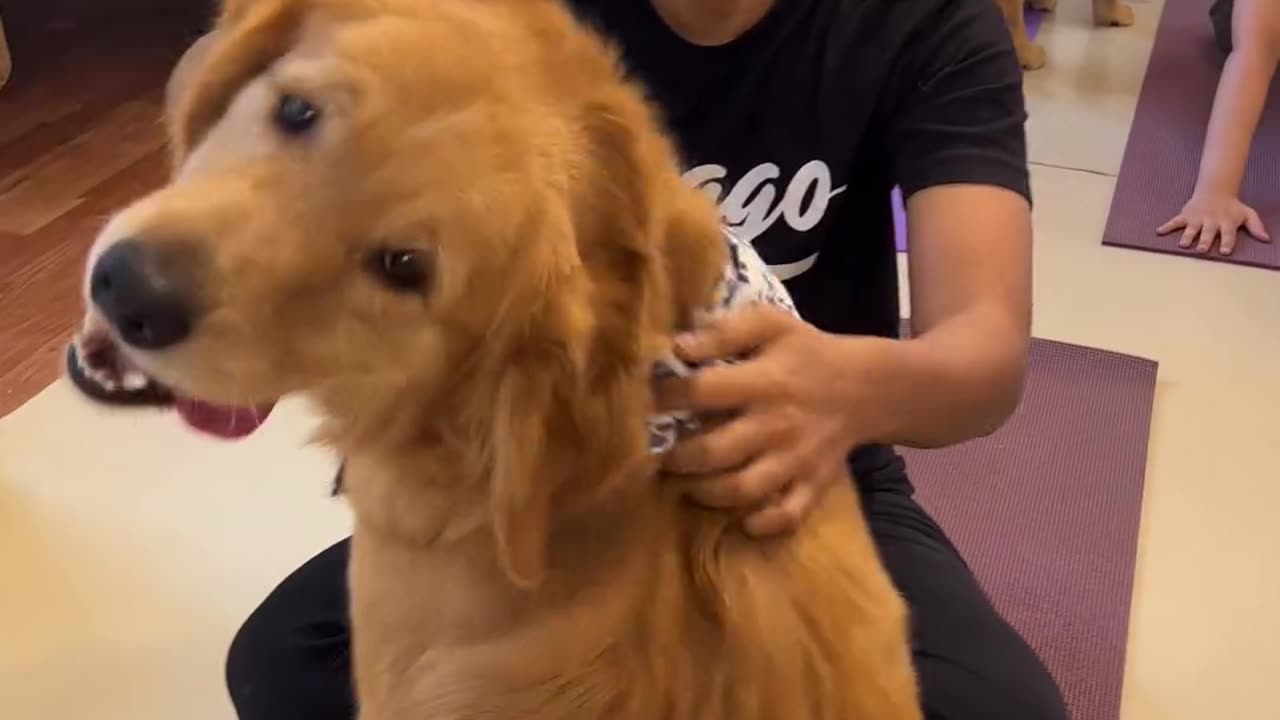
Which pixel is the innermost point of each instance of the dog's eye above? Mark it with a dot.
(401, 269)
(295, 114)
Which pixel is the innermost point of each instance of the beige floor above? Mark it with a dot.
(130, 549)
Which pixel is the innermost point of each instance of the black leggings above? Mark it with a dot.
(291, 659)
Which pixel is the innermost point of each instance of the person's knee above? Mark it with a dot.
(281, 667)
(254, 650)
(292, 657)
(1220, 17)
(1022, 691)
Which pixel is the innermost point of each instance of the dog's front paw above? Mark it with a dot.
(1031, 56)
(1112, 13)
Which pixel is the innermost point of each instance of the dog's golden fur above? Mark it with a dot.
(1106, 13)
(514, 555)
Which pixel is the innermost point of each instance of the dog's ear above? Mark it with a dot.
(625, 257)
(694, 253)
(654, 243)
(522, 481)
(534, 412)
(249, 36)
(234, 10)
(185, 73)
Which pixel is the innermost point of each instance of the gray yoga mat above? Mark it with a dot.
(1046, 512)
(1162, 157)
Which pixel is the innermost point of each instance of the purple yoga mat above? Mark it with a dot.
(1046, 512)
(1033, 18)
(1162, 157)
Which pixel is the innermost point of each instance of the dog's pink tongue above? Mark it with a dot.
(226, 422)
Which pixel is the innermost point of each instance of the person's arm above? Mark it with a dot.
(1242, 92)
(961, 161)
(1214, 209)
(961, 373)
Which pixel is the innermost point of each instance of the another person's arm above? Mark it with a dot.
(1214, 210)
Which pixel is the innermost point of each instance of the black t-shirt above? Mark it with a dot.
(801, 127)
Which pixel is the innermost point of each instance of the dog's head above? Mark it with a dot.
(442, 219)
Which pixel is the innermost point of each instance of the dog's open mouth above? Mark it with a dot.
(101, 371)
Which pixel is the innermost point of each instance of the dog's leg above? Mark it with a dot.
(6, 63)
(1043, 5)
(1030, 55)
(1112, 13)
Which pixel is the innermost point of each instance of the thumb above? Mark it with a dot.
(1176, 223)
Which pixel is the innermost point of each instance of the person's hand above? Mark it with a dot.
(1206, 218)
(789, 428)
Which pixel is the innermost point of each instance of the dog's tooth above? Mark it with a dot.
(102, 378)
(78, 344)
(134, 381)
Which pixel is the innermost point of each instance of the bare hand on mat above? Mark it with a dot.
(1207, 220)
(791, 433)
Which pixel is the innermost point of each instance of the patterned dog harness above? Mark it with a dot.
(746, 281)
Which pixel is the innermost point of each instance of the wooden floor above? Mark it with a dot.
(80, 136)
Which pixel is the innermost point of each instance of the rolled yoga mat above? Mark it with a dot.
(1032, 20)
(1162, 156)
(1046, 512)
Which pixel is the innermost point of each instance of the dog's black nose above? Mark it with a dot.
(129, 289)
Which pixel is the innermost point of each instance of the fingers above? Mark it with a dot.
(735, 334)
(1218, 222)
(1176, 223)
(1208, 234)
(784, 514)
(716, 389)
(1253, 223)
(1189, 232)
(1228, 243)
(748, 487)
(729, 446)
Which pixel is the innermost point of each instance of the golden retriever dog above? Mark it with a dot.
(456, 227)
(1106, 13)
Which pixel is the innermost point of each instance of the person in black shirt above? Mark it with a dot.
(799, 116)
